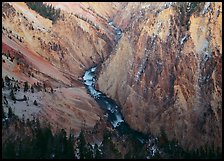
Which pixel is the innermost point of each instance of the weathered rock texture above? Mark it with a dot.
(37, 50)
(166, 71)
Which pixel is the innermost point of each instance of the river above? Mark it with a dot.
(112, 110)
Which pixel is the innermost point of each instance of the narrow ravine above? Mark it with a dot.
(113, 113)
(111, 109)
(107, 104)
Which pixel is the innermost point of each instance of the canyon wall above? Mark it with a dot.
(38, 50)
(166, 71)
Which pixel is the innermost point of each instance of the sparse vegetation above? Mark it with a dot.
(12, 95)
(35, 103)
(32, 89)
(10, 113)
(88, 21)
(47, 11)
(26, 139)
(26, 86)
(186, 9)
(7, 80)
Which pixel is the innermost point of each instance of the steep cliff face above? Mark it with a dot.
(36, 50)
(72, 44)
(166, 71)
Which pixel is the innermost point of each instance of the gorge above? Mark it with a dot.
(148, 73)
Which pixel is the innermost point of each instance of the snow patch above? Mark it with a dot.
(183, 39)
(152, 147)
(144, 62)
(26, 108)
(168, 4)
(207, 5)
(204, 45)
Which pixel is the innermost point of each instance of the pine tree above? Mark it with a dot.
(47, 11)
(7, 80)
(15, 87)
(12, 95)
(23, 119)
(35, 103)
(10, 113)
(69, 150)
(26, 86)
(37, 123)
(24, 98)
(89, 152)
(32, 89)
(98, 154)
(108, 147)
(18, 87)
(82, 145)
(8, 151)
(44, 86)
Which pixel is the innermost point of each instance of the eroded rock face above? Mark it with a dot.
(39, 51)
(166, 71)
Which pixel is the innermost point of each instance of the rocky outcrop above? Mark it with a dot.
(166, 71)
